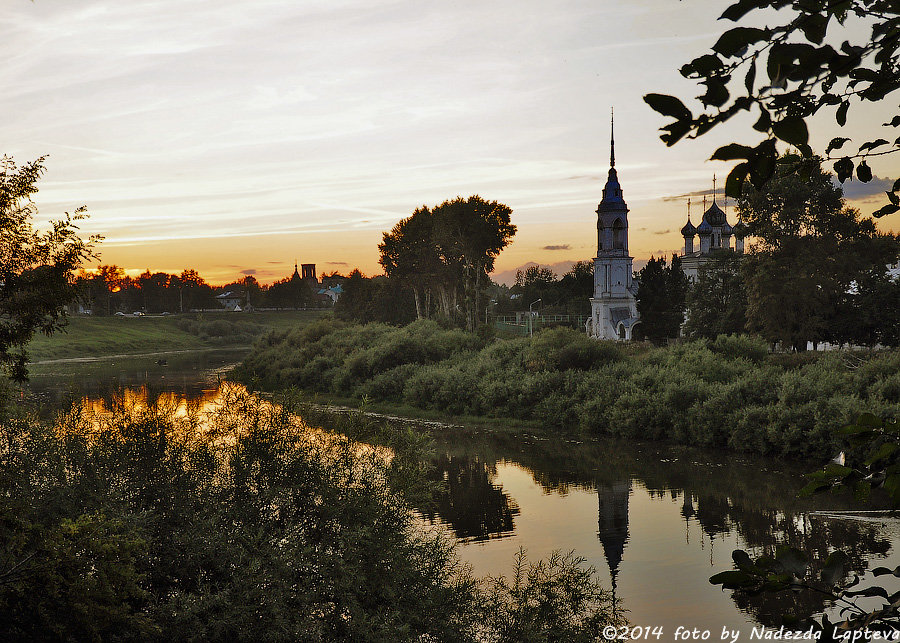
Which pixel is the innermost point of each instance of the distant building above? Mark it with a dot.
(230, 300)
(307, 273)
(613, 306)
(714, 234)
(332, 292)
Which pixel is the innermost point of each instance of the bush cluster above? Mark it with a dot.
(726, 393)
(248, 526)
(222, 330)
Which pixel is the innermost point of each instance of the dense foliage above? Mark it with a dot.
(139, 524)
(379, 299)
(729, 392)
(717, 301)
(444, 254)
(565, 295)
(800, 74)
(661, 298)
(815, 261)
(36, 268)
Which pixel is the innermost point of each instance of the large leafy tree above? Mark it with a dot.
(37, 269)
(471, 233)
(661, 298)
(811, 251)
(450, 248)
(537, 282)
(409, 256)
(789, 73)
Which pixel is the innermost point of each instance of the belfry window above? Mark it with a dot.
(618, 235)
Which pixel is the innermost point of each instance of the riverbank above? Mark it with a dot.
(88, 337)
(730, 393)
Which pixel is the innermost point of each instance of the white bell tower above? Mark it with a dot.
(613, 306)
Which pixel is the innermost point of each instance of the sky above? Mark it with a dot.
(238, 137)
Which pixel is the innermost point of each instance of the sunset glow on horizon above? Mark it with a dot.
(236, 138)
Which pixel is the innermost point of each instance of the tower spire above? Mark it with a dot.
(714, 187)
(689, 209)
(612, 137)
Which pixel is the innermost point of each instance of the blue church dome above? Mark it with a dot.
(714, 215)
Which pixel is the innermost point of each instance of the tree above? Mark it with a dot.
(37, 270)
(869, 313)
(661, 298)
(194, 292)
(378, 299)
(811, 250)
(575, 284)
(717, 301)
(410, 256)
(793, 292)
(803, 77)
(536, 282)
(290, 292)
(471, 233)
(449, 248)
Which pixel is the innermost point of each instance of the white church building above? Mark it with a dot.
(714, 234)
(613, 305)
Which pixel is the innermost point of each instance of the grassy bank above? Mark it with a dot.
(98, 336)
(730, 393)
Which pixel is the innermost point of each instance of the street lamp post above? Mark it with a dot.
(531, 318)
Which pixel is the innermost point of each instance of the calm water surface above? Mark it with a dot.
(655, 521)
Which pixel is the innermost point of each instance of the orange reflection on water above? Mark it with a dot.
(219, 416)
(168, 403)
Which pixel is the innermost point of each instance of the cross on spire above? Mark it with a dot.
(714, 188)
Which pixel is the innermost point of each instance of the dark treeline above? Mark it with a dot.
(727, 393)
(390, 301)
(110, 290)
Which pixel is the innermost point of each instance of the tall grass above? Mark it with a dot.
(728, 393)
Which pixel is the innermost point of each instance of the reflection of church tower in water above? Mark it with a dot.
(613, 523)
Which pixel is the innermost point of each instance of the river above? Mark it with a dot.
(656, 521)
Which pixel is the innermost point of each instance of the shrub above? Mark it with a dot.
(142, 526)
(727, 392)
(753, 349)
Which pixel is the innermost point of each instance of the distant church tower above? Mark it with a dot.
(715, 235)
(613, 306)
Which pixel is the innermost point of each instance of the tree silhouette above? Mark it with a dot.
(788, 74)
(37, 270)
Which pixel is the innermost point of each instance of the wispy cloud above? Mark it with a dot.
(559, 247)
(699, 193)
